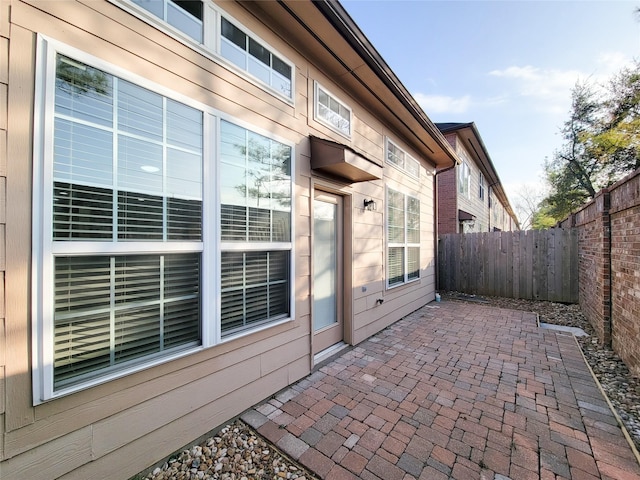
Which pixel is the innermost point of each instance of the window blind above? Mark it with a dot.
(403, 230)
(254, 289)
(127, 166)
(114, 310)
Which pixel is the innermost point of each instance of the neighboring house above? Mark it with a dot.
(470, 196)
(200, 202)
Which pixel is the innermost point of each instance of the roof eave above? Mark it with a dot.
(335, 13)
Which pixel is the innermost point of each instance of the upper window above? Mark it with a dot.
(120, 201)
(185, 15)
(464, 179)
(403, 238)
(401, 159)
(331, 111)
(481, 186)
(230, 40)
(250, 55)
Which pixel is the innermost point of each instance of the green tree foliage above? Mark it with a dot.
(542, 220)
(601, 142)
(618, 144)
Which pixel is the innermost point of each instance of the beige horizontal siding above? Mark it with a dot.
(53, 459)
(136, 455)
(117, 429)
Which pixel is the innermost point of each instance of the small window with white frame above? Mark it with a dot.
(220, 34)
(401, 159)
(185, 15)
(331, 111)
(249, 54)
(481, 186)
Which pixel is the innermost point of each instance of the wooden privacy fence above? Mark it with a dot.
(530, 264)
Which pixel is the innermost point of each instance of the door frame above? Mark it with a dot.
(347, 259)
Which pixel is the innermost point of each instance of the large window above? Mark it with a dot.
(255, 173)
(228, 39)
(331, 111)
(403, 238)
(127, 170)
(129, 226)
(401, 159)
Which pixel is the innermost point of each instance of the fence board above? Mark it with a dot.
(535, 265)
(515, 243)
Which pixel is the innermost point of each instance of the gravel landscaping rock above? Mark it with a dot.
(238, 453)
(235, 453)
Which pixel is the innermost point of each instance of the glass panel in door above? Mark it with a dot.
(327, 271)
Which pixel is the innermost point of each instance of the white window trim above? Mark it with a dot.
(44, 249)
(405, 245)
(210, 48)
(316, 87)
(464, 179)
(404, 169)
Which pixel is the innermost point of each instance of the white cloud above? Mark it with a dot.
(443, 103)
(610, 63)
(549, 87)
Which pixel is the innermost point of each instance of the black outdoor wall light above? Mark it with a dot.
(370, 205)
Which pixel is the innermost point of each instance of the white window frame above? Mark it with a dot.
(212, 41)
(247, 57)
(481, 188)
(464, 179)
(406, 244)
(45, 248)
(405, 162)
(253, 246)
(317, 87)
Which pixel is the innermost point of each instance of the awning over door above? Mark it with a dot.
(462, 216)
(341, 161)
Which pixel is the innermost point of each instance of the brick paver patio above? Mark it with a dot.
(455, 390)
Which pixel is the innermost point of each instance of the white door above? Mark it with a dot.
(327, 311)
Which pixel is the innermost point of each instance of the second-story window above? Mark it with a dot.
(186, 16)
(464, 179)
(481, 188)
(401, 159)
(250, 55)
(331, 111)
(228, 39)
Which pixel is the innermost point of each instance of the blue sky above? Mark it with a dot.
(508, 66)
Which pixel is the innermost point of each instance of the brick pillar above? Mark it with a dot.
(606, 268)
(594, 247)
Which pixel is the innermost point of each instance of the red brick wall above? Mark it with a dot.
(625, 268)
(609, 266)
(594, 266)
(447, 208)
